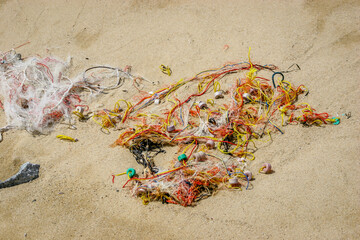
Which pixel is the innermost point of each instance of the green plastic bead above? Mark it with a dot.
(182, 157)
(131, 172)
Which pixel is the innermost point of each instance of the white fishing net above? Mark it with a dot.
(37, 92)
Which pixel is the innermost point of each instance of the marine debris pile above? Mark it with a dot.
(217, 119)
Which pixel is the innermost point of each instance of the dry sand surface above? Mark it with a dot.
(314, 192)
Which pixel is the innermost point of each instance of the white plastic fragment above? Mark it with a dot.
(170, 128)
(234, 181)
(202, 105)
(219, 94)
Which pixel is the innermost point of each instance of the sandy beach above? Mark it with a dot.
(314, 192)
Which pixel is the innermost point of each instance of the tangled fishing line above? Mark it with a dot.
(218, 119)
(217, 134)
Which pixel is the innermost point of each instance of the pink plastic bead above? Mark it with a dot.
(210, 144)
(266, 168)
(200, 156)
(248, 175)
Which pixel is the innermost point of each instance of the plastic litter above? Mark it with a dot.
(38, 92)
(266, 168)
(216, 134)
(27, 173)
(224, 135)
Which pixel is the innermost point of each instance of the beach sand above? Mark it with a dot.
(314, 192)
